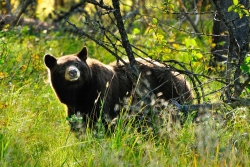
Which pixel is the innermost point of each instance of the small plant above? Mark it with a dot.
(246, 69)
(238, 8)
(76, 118)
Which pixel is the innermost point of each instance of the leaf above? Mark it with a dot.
(151, 31)
(213, 45)
(154, 20)
(190, 43)
(136, 31)
(171, 6)
(248, 88)
(230, 8)
(160, 37)
(247, 60)
(176, 46)
(151, 54)
(244, 67)
(246, 12)
(235, 2)
(1, 61)
(158, 50)
(240, 14)
(199, 55)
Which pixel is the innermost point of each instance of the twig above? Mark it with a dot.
(100, 4)
(96, 41)
(183, 30)
(190, 20)
(212, 106)
(191, 76)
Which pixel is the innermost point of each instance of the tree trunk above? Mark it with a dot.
(236, 44)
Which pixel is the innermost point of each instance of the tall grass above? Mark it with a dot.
(34, 131)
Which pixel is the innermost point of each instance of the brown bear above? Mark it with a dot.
(88, 87)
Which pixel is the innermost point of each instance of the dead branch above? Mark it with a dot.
(183, 8)
(100, 4)
(96, 41)
(212, 106)
(192, 78)
(124, 36)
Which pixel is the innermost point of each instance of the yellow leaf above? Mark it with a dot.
(3, 75)
(176, 46)
(1, 105)
(24, 67)
(39, 1)
(171, 40)
(35, 56)
(213, 45)
(199, 55)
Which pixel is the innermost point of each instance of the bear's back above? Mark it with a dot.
(163, 80)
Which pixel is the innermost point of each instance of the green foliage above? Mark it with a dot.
(238, 8)
(168, 6)
(74, 119)
(245, 67)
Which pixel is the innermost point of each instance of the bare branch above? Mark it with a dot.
(212, 106)
(190, 20)
(124, 36)
(96, 41)
(100, 4)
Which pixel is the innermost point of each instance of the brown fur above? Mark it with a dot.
(86, 94)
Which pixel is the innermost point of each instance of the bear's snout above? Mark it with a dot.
(72, 73)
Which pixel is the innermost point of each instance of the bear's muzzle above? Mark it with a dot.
(72, 73)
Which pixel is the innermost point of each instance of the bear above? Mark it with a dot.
(88, 87)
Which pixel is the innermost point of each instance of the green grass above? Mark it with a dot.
(34, 131)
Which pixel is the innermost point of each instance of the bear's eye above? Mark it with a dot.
(76, 64)
(63, 67)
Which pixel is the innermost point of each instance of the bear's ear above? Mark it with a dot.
(50, 61)
(83, 54)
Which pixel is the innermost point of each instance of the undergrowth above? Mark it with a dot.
(34, 130)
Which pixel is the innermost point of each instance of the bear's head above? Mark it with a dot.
(68, 70)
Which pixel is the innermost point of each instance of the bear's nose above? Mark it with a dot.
(73, 73)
